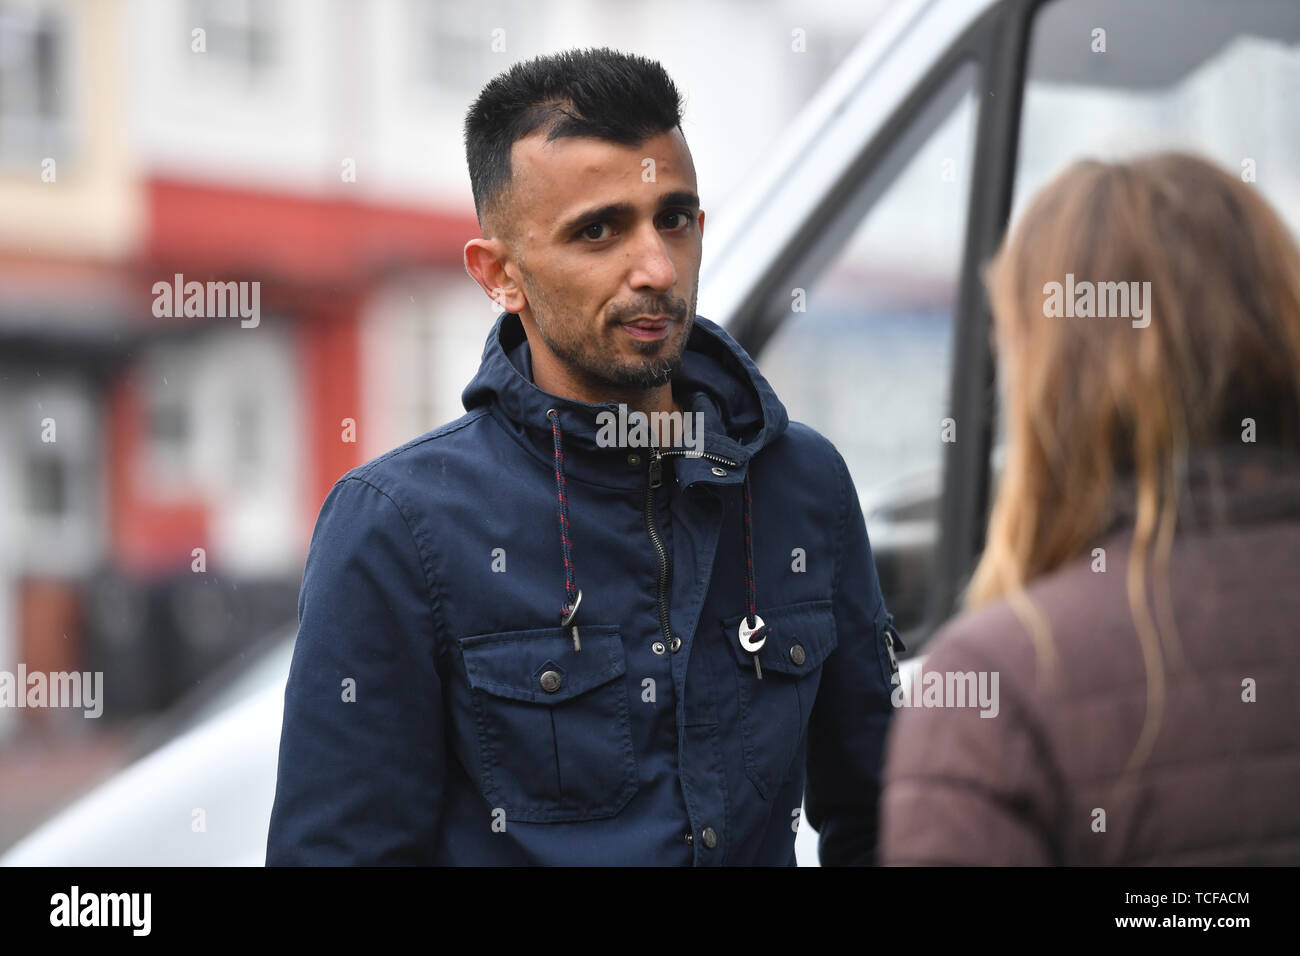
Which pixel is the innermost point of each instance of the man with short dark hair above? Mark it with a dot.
(617, 612)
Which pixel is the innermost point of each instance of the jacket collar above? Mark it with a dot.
(1222, 485)
(741, 412)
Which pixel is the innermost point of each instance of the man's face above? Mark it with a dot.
(606, 239)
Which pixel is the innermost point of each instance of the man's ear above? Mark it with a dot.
(701, 223)
(487, 261)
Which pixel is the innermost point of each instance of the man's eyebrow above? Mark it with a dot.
(614, 210)
(683, 197)
(587, 217)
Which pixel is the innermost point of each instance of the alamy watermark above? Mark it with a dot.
(634, 429)
(1102, 300)
(130, 910)
(61, 689)
(949, 689)
(208, 300)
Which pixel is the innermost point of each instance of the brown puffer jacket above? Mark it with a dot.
(1044, 782)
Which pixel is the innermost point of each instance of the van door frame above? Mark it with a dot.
(999, 41)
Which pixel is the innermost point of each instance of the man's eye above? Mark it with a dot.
(675, 219)
(594, 231)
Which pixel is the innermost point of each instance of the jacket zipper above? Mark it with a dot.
(655, 480)
(698, 454)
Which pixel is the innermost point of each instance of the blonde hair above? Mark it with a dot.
(1088, 400)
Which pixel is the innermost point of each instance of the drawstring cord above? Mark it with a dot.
(572, 594)
(753, 632)
(749, 556)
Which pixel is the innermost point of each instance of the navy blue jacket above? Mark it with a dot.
(439, 709)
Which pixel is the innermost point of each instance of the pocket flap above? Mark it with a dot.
(540, 666)
(809, 626)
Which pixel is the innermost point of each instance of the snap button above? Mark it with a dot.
(709, 837)
(797, 655)
(550, 682)
(657, 647)
(720, 472)
(634, 461)
(676, 644)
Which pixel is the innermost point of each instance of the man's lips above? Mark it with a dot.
(645, 329)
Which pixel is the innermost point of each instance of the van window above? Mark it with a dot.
(1111, 79)
(865, 356)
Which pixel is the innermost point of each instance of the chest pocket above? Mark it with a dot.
(774, 711)
(552, 727)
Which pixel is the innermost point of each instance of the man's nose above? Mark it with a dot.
(652, 267)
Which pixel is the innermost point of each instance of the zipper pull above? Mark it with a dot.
(656, 469)
(568, 621)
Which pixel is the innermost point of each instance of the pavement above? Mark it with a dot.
(41, 772)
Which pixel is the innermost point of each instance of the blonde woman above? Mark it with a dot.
(1137, 606)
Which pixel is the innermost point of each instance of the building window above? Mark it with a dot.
(239, 35)
(47, 486)
(33, 81)
(453, 42)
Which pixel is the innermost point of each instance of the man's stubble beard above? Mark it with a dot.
(588, 363)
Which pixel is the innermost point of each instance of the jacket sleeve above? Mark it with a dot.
(964, 787)
(362, 758)
(851, 716)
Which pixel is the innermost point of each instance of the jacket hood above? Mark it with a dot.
(741, 411)
(738, 411)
